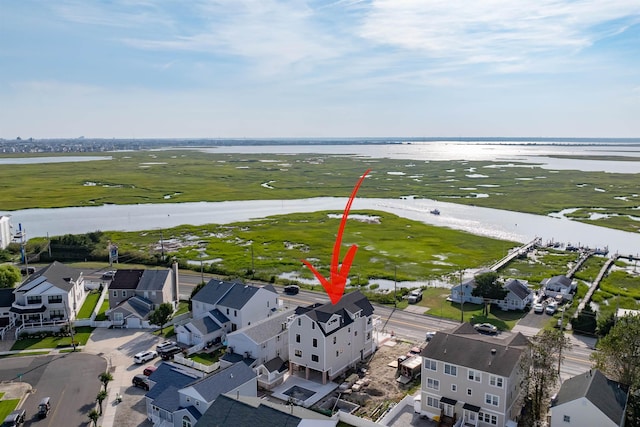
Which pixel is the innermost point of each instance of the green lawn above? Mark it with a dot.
(183, 307)
(6, 406)
(31, 353)
(89, 304)
(207, 358)
(81, 336)
(103, 308)
(167, 332)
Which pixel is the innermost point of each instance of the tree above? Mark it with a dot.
(489, 288)
(194, 291)
(161, 315)
(105, 378)
(102, 395)
(94, 416)
(9, 276)
(540, 370)
(618, 357)
(585, 322)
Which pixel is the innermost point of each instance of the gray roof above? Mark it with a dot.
(464, 346)
(607, 395)
(266, 328)
(228, 294)
(517, 287)
(126, 279)
(55, 273)
(205, 325)
(152, 280)
(223, 381)
(350, 303)
(136, 305)
(166, 376)
(219, 316)
(226, 411)
(557, 281)
(168, 399)
(7, 297)
(275, 365)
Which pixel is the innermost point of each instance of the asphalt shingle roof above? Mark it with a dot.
(167, 375)
(228, 294)
(205, 325)
(55, 273)
(223, 381)
(466, 347)
(517, 287)
(226, 411)
(152, 280)
(352, 302)
(607, 395)
(266, 328)
(126, 279)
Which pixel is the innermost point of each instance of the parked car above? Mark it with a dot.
(149, 370)
(165, 344)
(291, 289)
(168, 353)
(487, 328)
(551, 308)
(538, 308)
(44, 407)
(430, 335)
(140, 381)
(108, 275)
(145, 356)
(15, 418)
(415, 296)
(27, 270)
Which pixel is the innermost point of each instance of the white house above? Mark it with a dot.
(471, 376)
(55, 292)
(559, 286)
(327, 339)
(230, 306)
(589, 399)
(519, 295)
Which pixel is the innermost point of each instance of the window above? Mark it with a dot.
(55, 299)
(430, 364)
(433, 402)
(186, 422)
(491, 399)
(313, 325)
(433, 383)
(315, 342)
(355, 333)
(368, 336)
(298, 353)
(337, 353)
(495, 381)
(566, 419)
(299, 321)
(450, 370)
(235, 313)
(334, 340)
(454, 388)
(489, 418)
(227, 311)
(56, 313)
(34, 299)
(469, 392)
(297, 337)
(315, 358)
(474, 376)
(115, 293)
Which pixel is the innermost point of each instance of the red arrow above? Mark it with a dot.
(338, 274)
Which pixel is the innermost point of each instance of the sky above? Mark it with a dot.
(319, 69)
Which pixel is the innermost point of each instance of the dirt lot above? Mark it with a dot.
(382, 389)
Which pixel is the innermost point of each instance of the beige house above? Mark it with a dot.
(472, 376)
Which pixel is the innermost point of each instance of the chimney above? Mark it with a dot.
(176, 282)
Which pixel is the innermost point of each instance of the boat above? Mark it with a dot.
(434, 212)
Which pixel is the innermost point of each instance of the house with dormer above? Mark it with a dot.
(472, 378)
(327, 339)
(55, 292)
(178, 397)
(221, 307)
(135, 293)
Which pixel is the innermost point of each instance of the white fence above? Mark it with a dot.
(193, 364)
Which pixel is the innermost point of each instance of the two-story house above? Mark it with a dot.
(55, 292)
(329, 338)
(178, 398)
(472, 376)
(135, 293)
(558, 287)
(589, 399)
(463, 292)
(228, 306)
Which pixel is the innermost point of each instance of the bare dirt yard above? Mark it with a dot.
(378, 386)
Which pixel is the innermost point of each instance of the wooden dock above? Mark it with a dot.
(516, 253)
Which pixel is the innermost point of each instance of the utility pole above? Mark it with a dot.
(461, 298)
(395, 286)
(161, 246)
(201, 272)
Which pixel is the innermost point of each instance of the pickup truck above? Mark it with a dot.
(415, 296)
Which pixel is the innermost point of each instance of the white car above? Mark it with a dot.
(430, 335)
(538, 308)
(145, 356)
(165, 344)
(551, 308)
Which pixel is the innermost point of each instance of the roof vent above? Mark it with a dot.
(493, 351)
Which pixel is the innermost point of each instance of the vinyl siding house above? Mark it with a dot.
(135, 293)
(327, 339)
(55, 292)
(519, 296)
(178, 398)
(267, 344)
(473, 377)
(589, 399)
(230, 305)
(462, 292)
(559, 286)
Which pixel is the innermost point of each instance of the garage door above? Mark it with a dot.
(133, 322)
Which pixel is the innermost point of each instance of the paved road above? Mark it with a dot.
(71, 380)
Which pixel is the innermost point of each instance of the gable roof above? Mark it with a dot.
(559, 281)
(219, 316)
(228, 294)
(204, 325)
(265, 329)
(519, 288)
(136, 305)
(126, 279)
(464, 346)
(350, 303)
(167, 375)
(152, 280)
(609, 396)
(56, 273)
(212, 386)
(226, 411)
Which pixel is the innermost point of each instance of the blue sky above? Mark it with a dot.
(345, 68)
